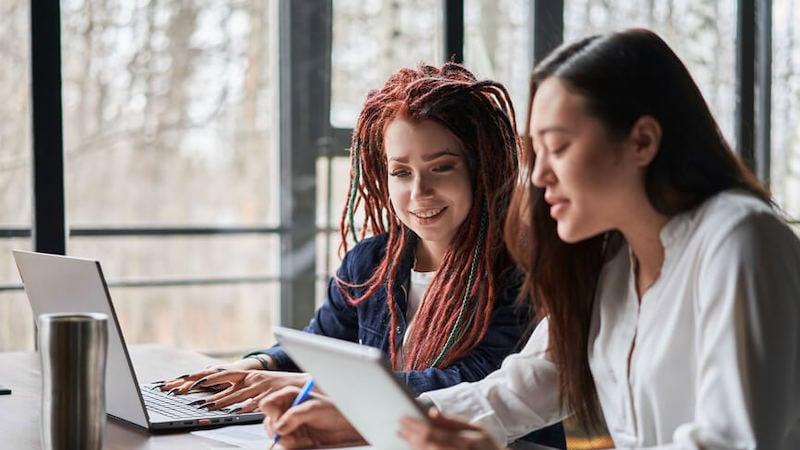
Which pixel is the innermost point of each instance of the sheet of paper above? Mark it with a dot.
(247, 436)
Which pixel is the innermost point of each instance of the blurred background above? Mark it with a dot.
(173, 174)
(205, 142)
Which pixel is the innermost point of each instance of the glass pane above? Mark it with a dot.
(181, 257)
(333, 182)
(702, 33)
(231, 306)
(372, 39)
(8, 270)
(15, 116)
(333, 176)
(170, 112)
(496, 45)
(16, 322)
(327, 244)
(220, 320)
(171, 121)
(785, 163)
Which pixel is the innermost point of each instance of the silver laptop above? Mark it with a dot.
(359, 381)
(57, 283)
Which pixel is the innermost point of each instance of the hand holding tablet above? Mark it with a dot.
(359, 381)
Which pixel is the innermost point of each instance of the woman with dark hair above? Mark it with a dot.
(666, 285)
(669, 289)
(434, 159)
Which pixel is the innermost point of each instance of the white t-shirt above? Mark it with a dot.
(419, 283)
(716, 360)
(417, 286)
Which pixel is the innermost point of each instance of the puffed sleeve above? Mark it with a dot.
(519, 397)
(748, 384)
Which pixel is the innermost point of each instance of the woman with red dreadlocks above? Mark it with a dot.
(430, 281)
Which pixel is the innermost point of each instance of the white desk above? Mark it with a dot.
(20, 412)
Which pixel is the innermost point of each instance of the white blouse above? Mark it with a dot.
(715, 361)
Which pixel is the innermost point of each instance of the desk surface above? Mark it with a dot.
(20, 412)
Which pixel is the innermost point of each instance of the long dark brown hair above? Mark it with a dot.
(460, 299)
(621, 77)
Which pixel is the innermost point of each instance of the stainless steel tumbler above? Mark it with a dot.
(73, 349)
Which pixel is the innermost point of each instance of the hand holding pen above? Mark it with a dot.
(301, 397)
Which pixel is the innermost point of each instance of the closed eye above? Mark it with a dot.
(443, 168)
(399, 173)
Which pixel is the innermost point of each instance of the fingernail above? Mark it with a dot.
(159, 382)
(207, 405)
(198, 383)
(173, 390)
(238, 408)
(156, 386)
(184, 376)
(196, 402)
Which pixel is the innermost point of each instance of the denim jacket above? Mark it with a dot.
(369, 322)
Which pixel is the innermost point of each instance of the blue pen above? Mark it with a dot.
(301, 397)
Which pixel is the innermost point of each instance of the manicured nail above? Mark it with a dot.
(156, 386)
(207, 405)
(173, 390)
(158, 382)
(184, 376)
(196, 402)
(198, 383)
(231, 411)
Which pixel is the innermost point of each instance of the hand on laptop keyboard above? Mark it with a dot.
(242, 387)
(183, 384)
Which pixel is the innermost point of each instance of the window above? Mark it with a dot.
(703, 34)
(15, 170)
(497, 46)
(401, 34)
(171, 163)
(785, 158)
(171, 115)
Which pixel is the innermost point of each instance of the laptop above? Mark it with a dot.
(359, 381)
(55, 283)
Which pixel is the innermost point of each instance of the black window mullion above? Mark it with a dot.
(48, 224)
(453, 15)
(305, 54)
(547, 22)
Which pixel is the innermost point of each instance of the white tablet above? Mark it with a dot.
(360, 382)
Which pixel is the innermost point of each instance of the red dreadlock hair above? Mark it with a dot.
(457, 309)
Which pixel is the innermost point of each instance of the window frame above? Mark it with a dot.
(306, 134)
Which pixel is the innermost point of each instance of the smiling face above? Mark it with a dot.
(428, 180)
(592, 181)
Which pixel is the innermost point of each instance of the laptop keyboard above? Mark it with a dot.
(175, 406)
